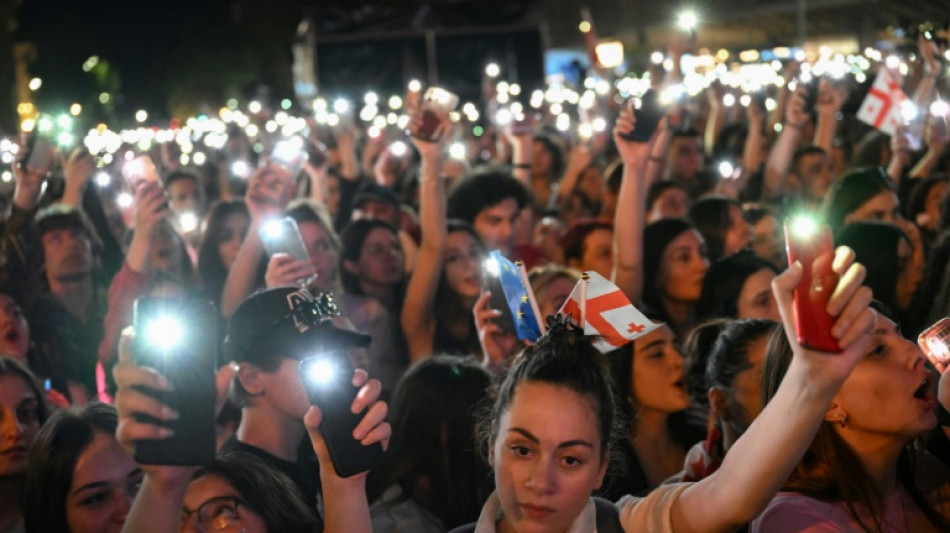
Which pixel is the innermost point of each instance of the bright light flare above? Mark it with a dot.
(164, 332)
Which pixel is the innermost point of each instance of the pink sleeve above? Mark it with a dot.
(797, 514)
(126, 286)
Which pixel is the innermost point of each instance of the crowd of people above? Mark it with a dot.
(718, 420)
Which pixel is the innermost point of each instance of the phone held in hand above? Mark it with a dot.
(328, 380)
(178, 338)
(282, 236)
(436, 104)
(935, 342)
(290, 154)
(811, 244)
(139, 171)
(491, 282)
(648, 112)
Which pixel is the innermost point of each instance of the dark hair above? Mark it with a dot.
(482, 190)
(851, 191)
(433, 455)
(352, 238)
(711, 217)
(656, 237)
(454, 312)
(573, 240)
(730, 354)
(10, 366)
(724, 281)
(682, 133)
(181, 175)
(57, 448)
(831, 470)
(557, 157)
(613, 176)
(730, 143)
(61, 216)
(918, 195)
(696, 350)
(755, 212)
(211, 270)
(875, 246)
(562, 357)
(268, 491)
(803, 152)
(657, 188)
(304, 210)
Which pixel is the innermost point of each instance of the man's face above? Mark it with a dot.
(686, 156)
(495, 225)
(815, 174)
(67, 253)
(183, 196)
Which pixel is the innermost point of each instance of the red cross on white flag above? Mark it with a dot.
(882, 106)
(604, 311)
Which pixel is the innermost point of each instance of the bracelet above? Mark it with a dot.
(526, 166)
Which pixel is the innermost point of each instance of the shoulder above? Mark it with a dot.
(792, 512)
(608, 517)
(395, 512)
(467, 528)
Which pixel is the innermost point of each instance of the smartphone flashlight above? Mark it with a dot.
(940, 108)
(241, 169)
(273, 229)
(164, 332)
(934, 341)
(398, 149)
(188, 222)
(491, 267)
(321, 372)
(726, 169)
(804, 226)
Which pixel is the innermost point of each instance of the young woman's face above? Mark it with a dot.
(932, 205)
(591, 183)
(213, 504)
(683, 267)
(739, 236)
(105, 481)
(14, 329)
(756, 300)
(463, 260)
(890, 393)
(321, 251)
(541, 164)
(547, 458)
(671, 203)
(381, 261)
(882, 207)
(284, 391)
(232, 233)
(597, 253)
(19, 423)
(554, 294)
(166, 252)
(659, 381)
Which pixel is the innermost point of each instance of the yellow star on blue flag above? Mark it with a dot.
(519, 298)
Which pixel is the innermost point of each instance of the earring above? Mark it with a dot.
(841, 420)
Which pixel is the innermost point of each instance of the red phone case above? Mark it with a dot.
(812, 321)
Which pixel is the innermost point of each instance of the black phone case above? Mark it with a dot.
(648, 118)
(190, 368)
(348, 455)
(498, 301)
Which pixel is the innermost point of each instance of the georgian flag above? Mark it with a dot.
(882, 106)
(601, 308)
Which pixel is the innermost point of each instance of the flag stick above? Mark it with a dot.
(585, 278)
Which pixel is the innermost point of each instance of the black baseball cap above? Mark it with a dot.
(375, 192)
(287, 322)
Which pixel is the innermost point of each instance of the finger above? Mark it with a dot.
(860, 331)
(783, 288)
(367, 394)
(844, 256)
(380, 433)
(482, 302)
(125, 344)
(847, 286)
(129, 402)
(856, 305)
(375, 416)
(360, 377)
(130, 375)
(130, 431)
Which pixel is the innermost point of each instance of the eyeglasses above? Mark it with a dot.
(216, 513)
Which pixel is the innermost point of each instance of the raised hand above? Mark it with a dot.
(285, 271)
(796, 114)
(269, 191)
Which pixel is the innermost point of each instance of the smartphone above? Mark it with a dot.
(648, 112)
(811, 244)
(179, 339)
(935, 342)
(328, 380)
(437, 103)
(290, 154)
(138, 171)
(316, 153)
(497, 300)
(282, 236)
(522, 124)
(41, 153)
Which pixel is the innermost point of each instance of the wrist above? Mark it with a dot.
(792, 126)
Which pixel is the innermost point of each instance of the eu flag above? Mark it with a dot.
(519, 297)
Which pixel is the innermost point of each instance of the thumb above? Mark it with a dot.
(312, 421)
(783, 287)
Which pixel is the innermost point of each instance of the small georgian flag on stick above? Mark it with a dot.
(601, 309)
(881, 108)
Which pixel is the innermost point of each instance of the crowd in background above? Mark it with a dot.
(480, 426)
